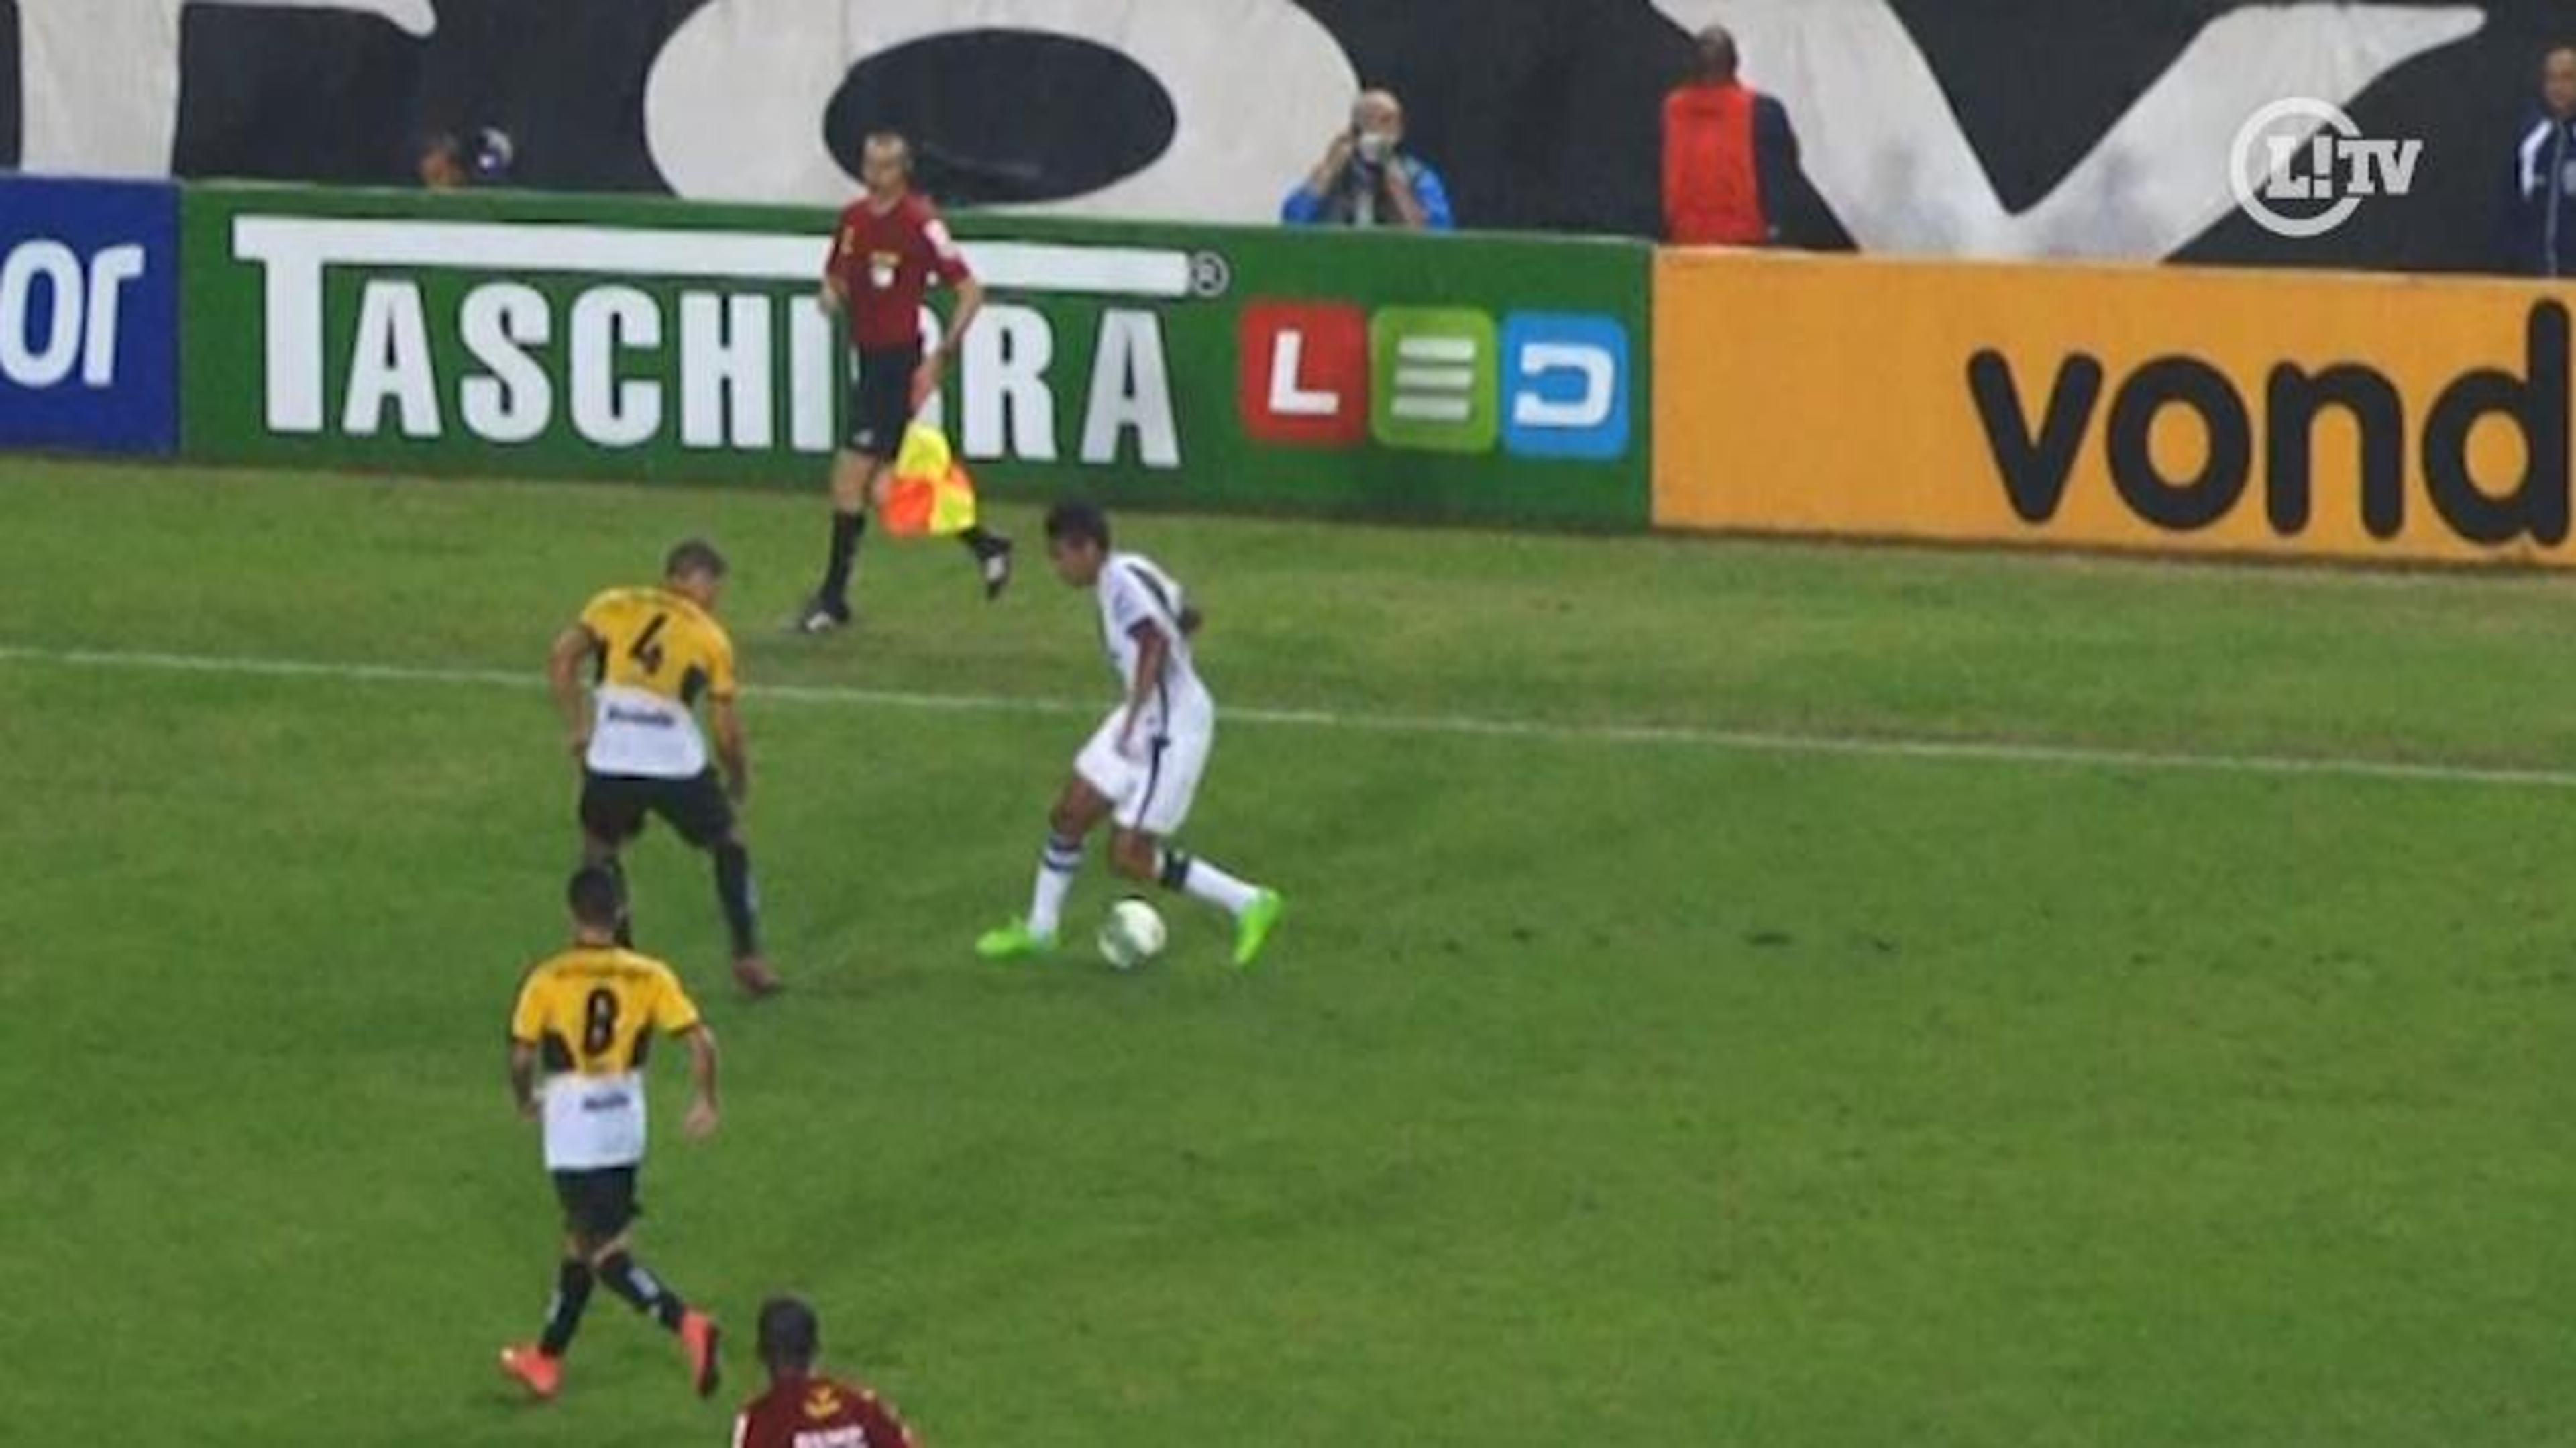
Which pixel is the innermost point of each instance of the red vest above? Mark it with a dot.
(1712, 193)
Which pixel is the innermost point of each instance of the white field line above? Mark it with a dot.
(1456, 725)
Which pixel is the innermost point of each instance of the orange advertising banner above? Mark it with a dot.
(2278, 413)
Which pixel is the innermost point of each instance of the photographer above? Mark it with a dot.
(1367, 178)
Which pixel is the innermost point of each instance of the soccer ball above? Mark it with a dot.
(1132, 935)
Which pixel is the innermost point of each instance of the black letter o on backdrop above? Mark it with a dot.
(2180, 504)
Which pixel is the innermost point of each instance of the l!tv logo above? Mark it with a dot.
(1551, 385)
(2301, 167)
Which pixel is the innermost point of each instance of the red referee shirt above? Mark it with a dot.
(886, 261)
(819, 1412)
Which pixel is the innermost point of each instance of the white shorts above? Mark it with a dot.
(1153, 784)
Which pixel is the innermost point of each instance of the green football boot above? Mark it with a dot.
(1015, 941)
(1252, 929)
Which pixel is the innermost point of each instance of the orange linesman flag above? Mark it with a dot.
(930, 495)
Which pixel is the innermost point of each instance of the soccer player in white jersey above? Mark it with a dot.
(1142, 768)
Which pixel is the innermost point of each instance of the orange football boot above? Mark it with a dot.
(542, 1375)
(698, 1335)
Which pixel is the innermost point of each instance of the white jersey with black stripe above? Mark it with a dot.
(1134, 591)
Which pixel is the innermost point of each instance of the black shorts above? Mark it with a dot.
(613, 807)
(881, 401)
(599, 1203)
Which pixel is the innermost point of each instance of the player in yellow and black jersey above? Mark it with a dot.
(655, 654)
(579, 1034)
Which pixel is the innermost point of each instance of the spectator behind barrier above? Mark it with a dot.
(1367, 178)
(2540, 208)
(483, 159)
(1730, 156)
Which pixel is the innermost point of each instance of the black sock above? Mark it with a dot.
(631, 1280)
(981, 543)
(740, 900)
(846, 531)
(563, 1317)
(1175, 871)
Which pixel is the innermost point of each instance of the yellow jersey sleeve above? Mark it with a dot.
(720, 676)
(673, 1011)
(600, 615)
(528, 1016)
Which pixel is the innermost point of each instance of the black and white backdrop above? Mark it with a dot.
(1986, 127)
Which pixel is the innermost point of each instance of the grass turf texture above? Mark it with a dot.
(1631, 1093)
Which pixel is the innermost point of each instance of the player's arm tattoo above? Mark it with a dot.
(702, 1062)
(523, 1076)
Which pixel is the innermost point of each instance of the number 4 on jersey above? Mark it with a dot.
(647, 648)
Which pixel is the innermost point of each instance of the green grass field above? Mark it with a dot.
(1603, 1086)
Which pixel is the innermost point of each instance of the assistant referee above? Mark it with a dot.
(890, 248)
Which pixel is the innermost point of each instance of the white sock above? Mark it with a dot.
(1056, 869)
(1202, 881)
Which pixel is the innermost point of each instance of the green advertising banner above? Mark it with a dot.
(1449, 377)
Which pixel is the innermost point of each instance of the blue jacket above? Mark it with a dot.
(2540, 204)
(1343, 208)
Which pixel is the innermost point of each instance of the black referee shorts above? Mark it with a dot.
(881, 400)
